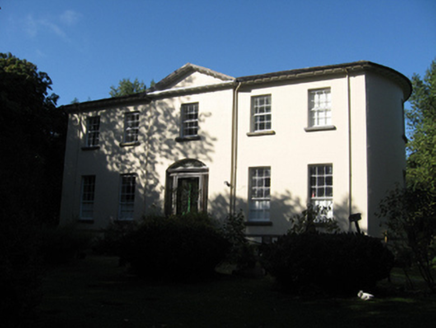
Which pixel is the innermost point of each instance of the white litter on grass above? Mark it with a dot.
(364, 296)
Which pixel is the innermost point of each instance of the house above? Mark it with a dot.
(265, 144)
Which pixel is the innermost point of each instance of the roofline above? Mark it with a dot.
(188, 67)
(345, 68)
(229, 81)
(106, 102)
(183, 90)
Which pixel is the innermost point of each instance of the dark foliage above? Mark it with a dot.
(410, 219)
(184, 248)
(20, 272)
(62, 244)
(32, 142)
(111, 241)
(241, 252)
(337, 264)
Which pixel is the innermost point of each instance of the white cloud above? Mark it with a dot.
(70, 17)
(31, 26)
(34, 26)
(53, 27)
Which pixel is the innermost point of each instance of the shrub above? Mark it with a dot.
(331, 263)
(312, 220)
(241, 252)
(177, 248)
(114, 234)
(410, 219)
(59, 245)
(20, 271)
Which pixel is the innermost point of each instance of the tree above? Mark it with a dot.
(410, 212)
(421, 170)
(32, 141)
(127, 87)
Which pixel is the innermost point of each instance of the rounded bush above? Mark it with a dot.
(60, 245)
(177, 248)
(333, 263)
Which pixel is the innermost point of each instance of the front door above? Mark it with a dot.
(186, 187)
(188, 192)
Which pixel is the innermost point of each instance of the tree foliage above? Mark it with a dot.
(410, 212)
(421, 171)
(32, 141)
(32, 149)
(127, 87)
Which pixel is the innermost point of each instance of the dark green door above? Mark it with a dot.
(188, 190)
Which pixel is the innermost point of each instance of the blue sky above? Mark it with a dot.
(88, 46)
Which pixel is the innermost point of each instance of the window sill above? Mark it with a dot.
(261, 133)
(90, 147)
(258, 223)
(130, 144)
(191, 138)
(320, 128)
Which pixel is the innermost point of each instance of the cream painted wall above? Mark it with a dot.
(157, 150)
(195, 79)
(292, 149)
(386, 145)
(373, 102)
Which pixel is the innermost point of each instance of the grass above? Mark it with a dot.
(95, 292)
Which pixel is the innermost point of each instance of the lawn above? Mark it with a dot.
(96, 292)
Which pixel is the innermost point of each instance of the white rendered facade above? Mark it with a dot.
(264, 144)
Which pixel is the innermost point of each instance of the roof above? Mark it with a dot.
(185, 70)
(160, 89)
(308, 72)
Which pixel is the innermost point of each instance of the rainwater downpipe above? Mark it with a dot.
(350, 160)
(234, 150)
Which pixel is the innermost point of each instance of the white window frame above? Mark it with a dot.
(189, 120)
(131, 127)
(261, 115)
(320, 107)
(321, 189)
(93, 131)
(259, 194)
(127, 197)
(87, 196)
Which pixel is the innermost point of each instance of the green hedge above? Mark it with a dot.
(177, 248)
(60, 245)
(328, 263)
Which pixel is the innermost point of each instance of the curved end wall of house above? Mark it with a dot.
(385, 144)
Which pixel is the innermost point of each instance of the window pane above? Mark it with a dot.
(131, 127)
(87, 198)
(320, 107)
(260, 194)
(321, 187)
(92, 131)
(189, 120)
(261, 109)
(127, 197)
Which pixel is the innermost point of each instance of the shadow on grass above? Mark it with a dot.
(95, 292)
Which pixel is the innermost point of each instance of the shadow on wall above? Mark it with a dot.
(154, 152)
(283, 208)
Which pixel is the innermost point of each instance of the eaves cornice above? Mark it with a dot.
(191, 90)
(107, 102)
(330, 70)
